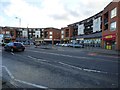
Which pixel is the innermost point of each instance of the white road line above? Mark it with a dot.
(79, 57)
(79, 68)
(36, 58)
(9, 73)
(59, 54)
(31, 57)
(69, 65)
(84, 69)
(24, 82)
(12, 53)
(41, 60)
(31, 84)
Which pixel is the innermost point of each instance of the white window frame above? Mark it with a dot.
(50, 33)
(50, 37)
(113, 26)
(7, 32)
(62, 31)
(113, 12)
(62, 36)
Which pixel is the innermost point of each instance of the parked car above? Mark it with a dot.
(58, 44)
(14, 46)
(70, 44)
(64, 44)
(77, 45)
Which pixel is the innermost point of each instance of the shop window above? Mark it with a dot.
(113, 26)
(113, 12)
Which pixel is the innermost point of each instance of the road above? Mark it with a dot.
(60, 68)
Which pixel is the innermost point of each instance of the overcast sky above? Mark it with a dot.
(48, 13)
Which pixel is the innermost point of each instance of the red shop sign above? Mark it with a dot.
(109, 37)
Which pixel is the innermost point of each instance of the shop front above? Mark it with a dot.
(65, 40)
(109, 41)
(91, 40)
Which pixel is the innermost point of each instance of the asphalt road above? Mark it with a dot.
(60, 68)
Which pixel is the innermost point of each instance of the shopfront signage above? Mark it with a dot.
(109, 37)
(80, 39)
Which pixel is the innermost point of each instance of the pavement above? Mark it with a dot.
(103, 51)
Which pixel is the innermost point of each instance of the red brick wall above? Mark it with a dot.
(118, 27)
(110, 7)
(4, 30)
(56, 33)
(68, 29)
(71, 29)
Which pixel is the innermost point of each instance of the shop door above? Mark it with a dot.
(108, 45)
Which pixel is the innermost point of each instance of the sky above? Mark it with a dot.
(47, 13)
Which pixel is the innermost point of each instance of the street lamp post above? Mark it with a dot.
(19, 20)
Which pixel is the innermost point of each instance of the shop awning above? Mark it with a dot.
(109, 37)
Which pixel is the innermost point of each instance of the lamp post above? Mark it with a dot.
(19, 20)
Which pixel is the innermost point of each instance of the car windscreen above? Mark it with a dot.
(9, 44)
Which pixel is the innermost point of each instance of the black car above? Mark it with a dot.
(14, 46)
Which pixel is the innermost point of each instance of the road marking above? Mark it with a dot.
(12, 53)
(31, 84)
(24, 82)
(9, 73)
(59, 54)
(36, 58)
(70, 65)
(31, 57)
(79, 68)
(79, 57)
(85, 69)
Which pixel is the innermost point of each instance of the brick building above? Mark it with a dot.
(111, 26)
(52, 34)
(65, 35)
(9, 31)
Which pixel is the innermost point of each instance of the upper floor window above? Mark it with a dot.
(62, 36)
(7, 32)
(50, 37)
(113, 26)
(62, 32)
(50, 33)
(29, 29)
(114, 12)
